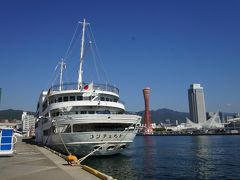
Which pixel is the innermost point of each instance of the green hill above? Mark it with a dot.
(161, 115)
(11, 114)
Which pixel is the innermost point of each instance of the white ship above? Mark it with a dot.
(80, 118)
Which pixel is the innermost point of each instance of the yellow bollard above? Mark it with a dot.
(72, 160)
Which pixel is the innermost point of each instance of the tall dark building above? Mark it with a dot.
(196, 103)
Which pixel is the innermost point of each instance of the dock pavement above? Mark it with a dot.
(31, 162)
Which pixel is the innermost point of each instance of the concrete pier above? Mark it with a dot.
(31, 162)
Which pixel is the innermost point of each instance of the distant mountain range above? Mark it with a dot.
(161, 115)
(166, 116)
(11, 114)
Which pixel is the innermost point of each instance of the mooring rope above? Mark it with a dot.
(69, 153)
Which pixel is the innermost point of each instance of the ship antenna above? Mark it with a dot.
(62, 66)
(80, 73)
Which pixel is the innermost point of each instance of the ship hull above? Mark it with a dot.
(82, 143)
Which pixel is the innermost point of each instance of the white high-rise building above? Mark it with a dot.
(28, 123)
(196, 100)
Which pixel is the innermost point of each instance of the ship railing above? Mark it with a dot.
(74, 86)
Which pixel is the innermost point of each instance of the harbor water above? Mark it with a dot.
(174, 157)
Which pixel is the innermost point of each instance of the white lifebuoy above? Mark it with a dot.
(14, 138)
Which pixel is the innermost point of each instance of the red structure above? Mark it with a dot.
(147, 119)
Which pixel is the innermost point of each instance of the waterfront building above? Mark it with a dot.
(210, 114)
(237, 115)
(7, 124)
(222, 117)
(219, 114)
(196, 100)
(28, 123)
(228, 117)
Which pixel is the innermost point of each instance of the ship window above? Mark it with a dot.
(103, 112)
(79, 98)
(65, 98)
(51, 100)
(107, 99)
(91, 97)
(115, 100)
(66, 128)
(86, 98)
(102, 99)
(78, 128)
(91, 112)
(101, 127)
(76, 112)
(83, 112)
(60, 99)
(72, 98)
(111, 100)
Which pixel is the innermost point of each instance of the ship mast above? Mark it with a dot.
(80, 72)
(62, 65)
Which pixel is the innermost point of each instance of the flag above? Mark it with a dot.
(88, 87)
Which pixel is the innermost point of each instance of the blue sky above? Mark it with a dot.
(166, 45)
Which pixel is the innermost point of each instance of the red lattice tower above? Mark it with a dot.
(147, 119)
